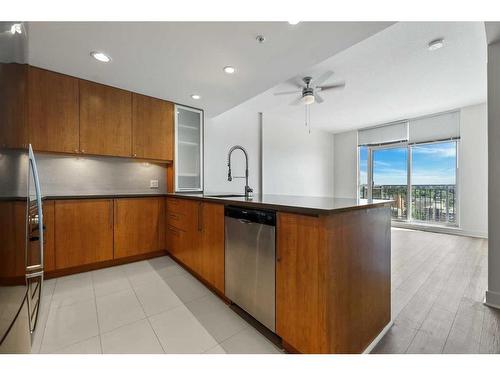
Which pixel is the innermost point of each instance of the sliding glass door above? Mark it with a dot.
(389, 166)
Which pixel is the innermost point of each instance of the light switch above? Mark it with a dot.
(153, 184)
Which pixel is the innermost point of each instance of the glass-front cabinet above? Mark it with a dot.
(188, 149)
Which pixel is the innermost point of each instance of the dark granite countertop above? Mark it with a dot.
(290, 203)
(101, 196)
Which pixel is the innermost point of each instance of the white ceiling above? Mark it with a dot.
(392, 75)
(172, 60)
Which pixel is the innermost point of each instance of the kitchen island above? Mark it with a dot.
(333, 264)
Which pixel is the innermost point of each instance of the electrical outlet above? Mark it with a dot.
(153, 184)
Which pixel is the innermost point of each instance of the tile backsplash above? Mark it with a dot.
(71, 175)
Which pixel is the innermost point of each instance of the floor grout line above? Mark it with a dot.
(96, 312)
(48, 312)
(147, 317)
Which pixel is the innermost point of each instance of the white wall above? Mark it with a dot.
(346, 164)
(473, 172)
(238, 126)
(296, 162)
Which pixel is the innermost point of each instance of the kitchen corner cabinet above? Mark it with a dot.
(53, 111)
(137, 226)
(84, 232)
(188, 149)
(195, 236)
(105, 120)
(152, 128)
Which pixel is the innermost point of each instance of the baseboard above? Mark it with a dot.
(438, 229)
(492, 299)
(108, 263)
(374, 343)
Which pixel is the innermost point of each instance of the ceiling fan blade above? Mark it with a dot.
(330, 87)
(322, 78)
(297, 101)
(317, 98)
(287, 92)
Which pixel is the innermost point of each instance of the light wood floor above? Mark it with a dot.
(438, 285)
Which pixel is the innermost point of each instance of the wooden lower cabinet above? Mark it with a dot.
(84, 232)
(333, 279)
(212, 244)
(300, 283)
(137, 226)
(49, 255)
(195, 236)
(12, 241)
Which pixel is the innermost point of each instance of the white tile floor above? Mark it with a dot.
(152, 306)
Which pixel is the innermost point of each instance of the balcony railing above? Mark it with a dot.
(429, 203)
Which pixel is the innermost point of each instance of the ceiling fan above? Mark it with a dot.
(309, 89)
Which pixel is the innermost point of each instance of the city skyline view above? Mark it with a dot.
(432, 164)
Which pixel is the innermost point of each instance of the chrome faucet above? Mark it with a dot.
(248, 189)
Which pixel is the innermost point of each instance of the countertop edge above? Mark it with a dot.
(280, 207)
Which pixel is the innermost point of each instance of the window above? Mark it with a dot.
(413, 163)
(433, 182)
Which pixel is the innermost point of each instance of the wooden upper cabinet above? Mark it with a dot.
(137, 226)
(105, 120)
(53, 114)
(83, 232)
(153, 124)
(13, 127)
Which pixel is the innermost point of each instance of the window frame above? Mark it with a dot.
(409, 158)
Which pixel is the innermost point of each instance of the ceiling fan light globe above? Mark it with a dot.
(308, 99)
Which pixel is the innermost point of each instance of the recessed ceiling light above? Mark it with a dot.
(100, 56)
(195, 96)
(293, 22)
(229, 70)
(16, 29)
(436, 44)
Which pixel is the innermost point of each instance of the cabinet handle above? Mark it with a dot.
(76, 151)
(83, 151)
(134, 154)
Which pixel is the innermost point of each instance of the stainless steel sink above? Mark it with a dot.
(225, 195)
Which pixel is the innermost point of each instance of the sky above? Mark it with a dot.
(432, 164)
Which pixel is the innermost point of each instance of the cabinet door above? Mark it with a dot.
(49, 256)
(212, 244)
(12, 240)
(188, 149)
(136, 228)
(184, 231)
(152, 124)
(84, 232)
(301, 283)
(13, 132)
(105, 120)
(53, 112)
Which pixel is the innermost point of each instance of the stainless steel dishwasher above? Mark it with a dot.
(250, 262)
